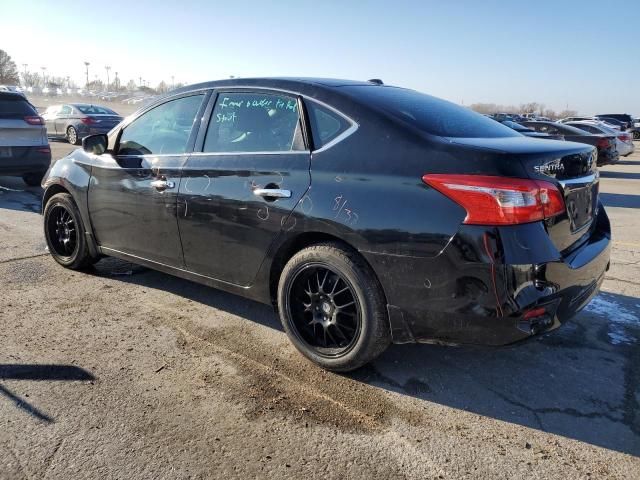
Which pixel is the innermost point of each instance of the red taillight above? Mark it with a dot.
(534, 312)
(34, 120)
(603, 143)
(492, 200)
(44, 149)
(88, 121)
(624, 138)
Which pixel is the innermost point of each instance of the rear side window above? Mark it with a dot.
(94, 110)
(164, 129)
(254, 122)
(430, 114)
(326, 125)
(10, 108)
(65, 110)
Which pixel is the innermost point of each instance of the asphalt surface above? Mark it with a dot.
(123, 372)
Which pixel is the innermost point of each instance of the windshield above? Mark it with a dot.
(95, 110)
(430, 114)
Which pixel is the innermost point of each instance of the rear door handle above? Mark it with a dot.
(272, 192)
(162, 184)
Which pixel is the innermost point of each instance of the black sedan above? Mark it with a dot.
(367, 214)
(74, 121)
(606, 144)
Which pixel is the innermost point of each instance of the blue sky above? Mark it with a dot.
(583, 54)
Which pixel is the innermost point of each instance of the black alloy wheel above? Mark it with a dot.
(332, 307)
(64, 232)
(325, 312)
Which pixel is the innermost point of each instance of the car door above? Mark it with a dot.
(133, 192)
(238, 191)
(61, 120)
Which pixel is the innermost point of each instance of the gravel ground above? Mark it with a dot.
(123, 372)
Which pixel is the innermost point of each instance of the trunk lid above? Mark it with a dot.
(571, 166)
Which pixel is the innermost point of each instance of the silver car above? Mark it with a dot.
(24, 148)
(74, 121)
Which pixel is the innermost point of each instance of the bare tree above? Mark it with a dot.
(567, 113)
(162, 87)
(8, 69)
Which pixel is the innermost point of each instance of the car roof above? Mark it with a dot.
(5, 95)
(291, 83)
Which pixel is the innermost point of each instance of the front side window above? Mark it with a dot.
(254, 122)
(325, 124)
(164, 129)
(65, 110)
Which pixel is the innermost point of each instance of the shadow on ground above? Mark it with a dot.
(16, 195)
(581, 381)
(620, 200)
(65, 373)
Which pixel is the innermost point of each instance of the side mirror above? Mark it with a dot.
(96, 144)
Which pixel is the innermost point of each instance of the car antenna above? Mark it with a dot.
(377, 81)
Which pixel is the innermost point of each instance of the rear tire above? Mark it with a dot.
(33, 179)
(65, 233)
(72, 136)
(636, 135)
(332, 307)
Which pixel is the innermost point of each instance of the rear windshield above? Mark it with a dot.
(431, 114)
(572, 130)
(95, 110)
(16, 108)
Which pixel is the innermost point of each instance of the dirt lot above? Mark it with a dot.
(122, 372)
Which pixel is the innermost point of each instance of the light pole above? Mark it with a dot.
(117, 82)
(44, 79)
(24, 74)
(107, 68)
(173, 83)
(86, 67)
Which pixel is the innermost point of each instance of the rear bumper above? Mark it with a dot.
(25, 160)
(478, 289)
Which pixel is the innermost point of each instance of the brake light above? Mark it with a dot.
(88, 121)
(624, 138)
(34, 120)
(491, 200)
(43, 150)
(603, 143)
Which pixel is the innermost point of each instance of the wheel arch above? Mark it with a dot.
(299, 242)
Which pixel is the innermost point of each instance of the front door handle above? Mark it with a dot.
(162, 184)
(272, 193)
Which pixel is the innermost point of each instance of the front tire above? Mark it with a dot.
(332, 307)
(64, 232)
(72, 136)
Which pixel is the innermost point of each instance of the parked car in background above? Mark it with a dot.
(529, 132)
(606, 144)
(624, 140)
(635, 130)
(625, 118)
(515, 241)
(12, 89)
(74, 121)
(574, 119)
(613, 123)
(24, 148)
